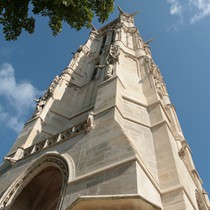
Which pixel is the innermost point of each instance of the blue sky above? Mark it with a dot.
(181, 49)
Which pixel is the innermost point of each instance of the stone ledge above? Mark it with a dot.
(115, 202)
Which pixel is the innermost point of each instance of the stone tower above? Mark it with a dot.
(104, 136)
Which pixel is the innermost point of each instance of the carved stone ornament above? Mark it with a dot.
(46, 143)
(67, 70)
(39, 107)
(85, 49)
(42, 100)
(74, 60)
(159, 82)
(200, 203)
(111, 59)
(147, 49)
(90, 122)
(159, 87)
(108, 70)
(158, 79)
(55, 160)
(127, 18)
(93, 35)
(182, 151)
(131, 30)
(113, 55)
(82, 48)
(52, 87)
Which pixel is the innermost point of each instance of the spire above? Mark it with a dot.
(135, 13)
(120, 10)
(148, 41)
(93, 27)
(123, 13)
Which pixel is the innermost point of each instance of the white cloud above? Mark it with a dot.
(176, 7)
(12, 122)
(203, 9)
(18, 98)
(195, 10)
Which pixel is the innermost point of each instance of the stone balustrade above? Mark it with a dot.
(64, 135)
(69, 133)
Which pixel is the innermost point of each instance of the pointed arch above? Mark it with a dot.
(43, 182)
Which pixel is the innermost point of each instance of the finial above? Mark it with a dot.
(120, 10)
(93, 27)
(135, 13)
(37, 100)
(148, 41)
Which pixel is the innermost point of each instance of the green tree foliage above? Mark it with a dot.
(16, 15)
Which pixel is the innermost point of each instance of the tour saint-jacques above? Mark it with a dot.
(104, 136)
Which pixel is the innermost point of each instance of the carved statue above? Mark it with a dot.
(113, 55)
(41, 101)
(112, 58)
(90, 122)
(159, 87)
(51, 88)
(115, 52)
(53, 84)
(183, 148)
(108, 70)
(39, 106)
(75, 58)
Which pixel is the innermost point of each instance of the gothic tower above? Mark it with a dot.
(104, 136)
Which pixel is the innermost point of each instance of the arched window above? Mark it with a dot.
(103, 44)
